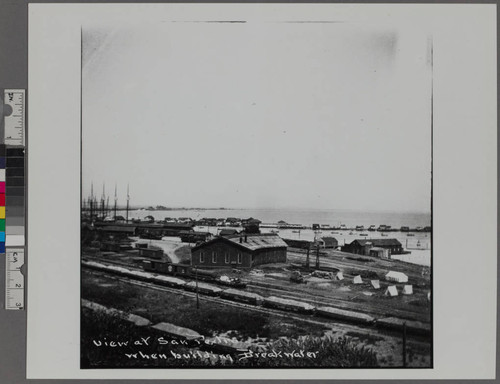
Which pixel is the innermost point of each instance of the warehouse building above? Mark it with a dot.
(240, 251)
(364, 246)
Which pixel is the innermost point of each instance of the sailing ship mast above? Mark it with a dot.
(128, 198)
(102, 200)
(91, 201)
(116, 198)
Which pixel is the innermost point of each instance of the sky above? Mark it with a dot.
(252, 115)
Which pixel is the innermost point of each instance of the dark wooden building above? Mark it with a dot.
(363, 246)
(240, 251)
(251, 225)
(115, 231)
(228, 232)
(330, 242)
(194, 237)
(151, 252)
(303, 244)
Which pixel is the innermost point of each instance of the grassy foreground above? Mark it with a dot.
(100, 330)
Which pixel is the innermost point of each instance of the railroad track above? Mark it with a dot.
(110, 261)
(334, 325)
(379, 310)
(264, 310)
(335, 261)
(328, 301)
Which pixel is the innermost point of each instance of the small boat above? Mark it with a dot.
(410, 234)
(383, 234)
(363, 234)
(350, 233)
(296, 231)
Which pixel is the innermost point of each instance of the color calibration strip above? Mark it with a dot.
(12, 196)
(3, 153)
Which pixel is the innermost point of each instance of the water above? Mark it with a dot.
(419, 244)
(306, 217)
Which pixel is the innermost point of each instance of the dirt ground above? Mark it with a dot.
(242, 324)
(274, 280)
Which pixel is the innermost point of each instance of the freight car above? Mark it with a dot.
(169, 281)
(230, 282)
(168, 268)
(246, 297)
(397, 324)
(288, 305)
(204, 288)
(342, 314)
(392, 323)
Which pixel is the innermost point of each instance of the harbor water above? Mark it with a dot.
(417, 243)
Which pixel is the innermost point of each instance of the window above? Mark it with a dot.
(240, 259)
(226, 258)
(214, 257)
(202, 257)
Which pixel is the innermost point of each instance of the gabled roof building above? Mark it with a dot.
(239, 251)
(363, 246)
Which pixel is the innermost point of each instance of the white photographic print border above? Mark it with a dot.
(464, 174)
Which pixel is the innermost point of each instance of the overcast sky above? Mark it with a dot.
(306, 115)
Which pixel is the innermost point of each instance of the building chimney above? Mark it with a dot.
(245, 238)
(241, 239)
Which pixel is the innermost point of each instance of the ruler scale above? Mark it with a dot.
(14, 279)
(15, 122)
(12, 195)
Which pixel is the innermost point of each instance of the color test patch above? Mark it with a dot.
(12, 240)
(2, 198)
(14, 196)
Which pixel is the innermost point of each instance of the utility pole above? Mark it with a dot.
(197, 294)
(307, 257)
(317, 256)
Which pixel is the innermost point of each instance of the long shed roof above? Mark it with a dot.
(253, 242)
(377, 242)
(121, 229)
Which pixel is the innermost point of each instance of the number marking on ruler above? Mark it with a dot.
(14, 279)
(15, 122)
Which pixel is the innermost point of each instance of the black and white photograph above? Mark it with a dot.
(256, 195)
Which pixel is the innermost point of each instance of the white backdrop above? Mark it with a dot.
(465, 174)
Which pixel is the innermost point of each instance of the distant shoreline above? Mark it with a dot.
(150, 208)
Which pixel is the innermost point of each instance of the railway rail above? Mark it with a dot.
(179, 285)
(317, 298)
